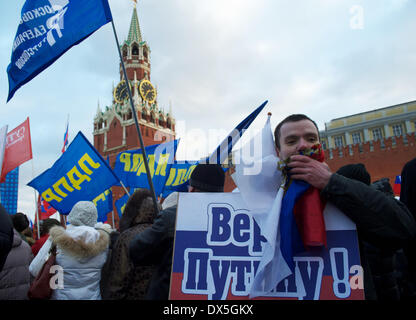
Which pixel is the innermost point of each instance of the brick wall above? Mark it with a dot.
(383, 159)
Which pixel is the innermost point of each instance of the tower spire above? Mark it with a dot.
(134, 31)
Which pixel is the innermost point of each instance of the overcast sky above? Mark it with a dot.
(215, 61)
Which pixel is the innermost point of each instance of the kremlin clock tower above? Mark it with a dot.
(114, 127)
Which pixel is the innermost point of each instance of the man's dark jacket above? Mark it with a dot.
(155, 246)
(6, 235)
(381, 221)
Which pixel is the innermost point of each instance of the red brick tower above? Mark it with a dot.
(114, 127)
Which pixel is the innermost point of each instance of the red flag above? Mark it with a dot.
(308, 210)
(18, 148)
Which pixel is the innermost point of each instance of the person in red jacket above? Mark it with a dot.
(45, 226)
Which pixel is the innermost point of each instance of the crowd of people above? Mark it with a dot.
(134, 262)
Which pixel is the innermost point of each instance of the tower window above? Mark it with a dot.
(135, 51)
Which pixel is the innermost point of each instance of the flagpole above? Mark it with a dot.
(36, 202)
(149, 177)
(124, 187)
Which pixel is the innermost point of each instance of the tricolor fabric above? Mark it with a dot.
(276, 199)
(397, 186)
(47, 29)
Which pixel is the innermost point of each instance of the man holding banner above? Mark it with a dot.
(382, 221)
(157, 241)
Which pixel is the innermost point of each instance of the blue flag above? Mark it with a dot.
(79, 174)
(130, 167)
(120, 204)
(291, 241)
(179, 175)
(47, 29)
(224, 149)
(181, 171)
(104, 204)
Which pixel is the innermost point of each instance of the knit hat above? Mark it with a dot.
(208, 178)
(83, 213)
(356, 172)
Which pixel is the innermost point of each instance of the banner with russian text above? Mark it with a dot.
(131, 170)
(218, 247)
(79, 174)
(18, 148)
(47, 29)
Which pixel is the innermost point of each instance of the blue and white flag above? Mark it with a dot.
(181, 172)
(131, 169)
(47, 29)
(79, 174)
(224, 149)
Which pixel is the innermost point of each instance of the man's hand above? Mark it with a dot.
(316, 173)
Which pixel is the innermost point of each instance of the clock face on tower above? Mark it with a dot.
(147, 91)
(120, 92)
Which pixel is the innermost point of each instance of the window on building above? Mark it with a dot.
(397, 130)
(135, 51)
(323, 142)
(377, 134)
(339, 143)
(356, 138)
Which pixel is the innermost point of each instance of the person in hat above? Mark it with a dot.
(22, 225)
(155, 244)
(81, 253)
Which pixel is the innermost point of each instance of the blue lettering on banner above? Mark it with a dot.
(229, 226)
(207, 273)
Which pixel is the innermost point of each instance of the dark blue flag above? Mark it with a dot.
(47, 29)
(79, 174)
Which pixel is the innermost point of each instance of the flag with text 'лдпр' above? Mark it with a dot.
(79, 174)
(47, 29)
(131, 169)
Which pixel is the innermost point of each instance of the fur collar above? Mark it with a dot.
(78, 248)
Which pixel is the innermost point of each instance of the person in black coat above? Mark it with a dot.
(382, 221)
(6, 235)
(408, 197)
(155, 244)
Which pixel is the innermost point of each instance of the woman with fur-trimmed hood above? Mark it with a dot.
(122, 280)
(81, 252)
